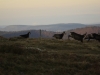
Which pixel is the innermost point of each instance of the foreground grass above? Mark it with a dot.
(49, 57)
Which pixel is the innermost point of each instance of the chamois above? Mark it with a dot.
(59, 36)
(96, 36)
(77, 36)
(25, 35)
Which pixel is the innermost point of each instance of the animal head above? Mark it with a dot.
(29, 32)
(85, 34)
(63, 32)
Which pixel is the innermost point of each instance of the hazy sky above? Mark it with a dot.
(37, 12)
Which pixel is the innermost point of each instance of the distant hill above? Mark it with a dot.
(89, 30)
(49, 34)
(52, 27)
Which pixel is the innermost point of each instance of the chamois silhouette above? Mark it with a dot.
(26, 35)
(77, 36)
(59, 36)
(96, 36)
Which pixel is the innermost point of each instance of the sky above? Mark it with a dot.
(45, 12)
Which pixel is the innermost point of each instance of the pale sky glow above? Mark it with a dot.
(37, 12)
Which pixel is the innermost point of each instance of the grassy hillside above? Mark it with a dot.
(49, 57)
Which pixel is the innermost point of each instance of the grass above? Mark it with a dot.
(49, 57)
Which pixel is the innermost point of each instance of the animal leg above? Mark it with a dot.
(82, 40)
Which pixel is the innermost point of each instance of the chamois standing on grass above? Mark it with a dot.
(93, 36)
(96, 36)
(59, 36)
(77, 36)
(26, 35)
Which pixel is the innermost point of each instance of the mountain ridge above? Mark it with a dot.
(51, 27)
